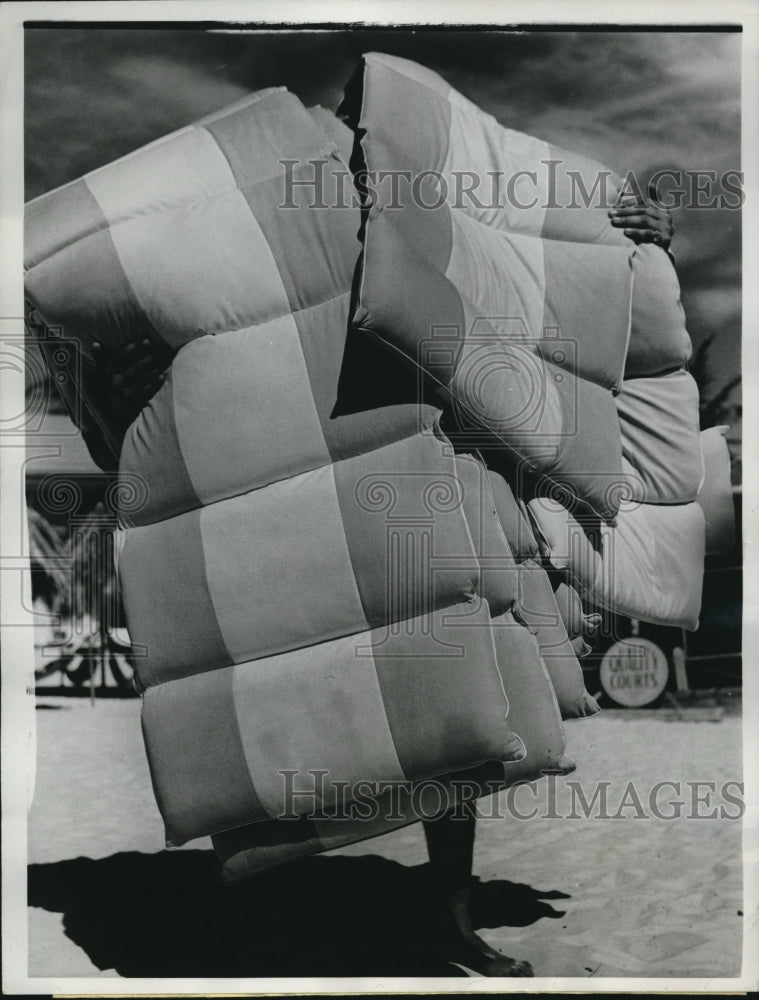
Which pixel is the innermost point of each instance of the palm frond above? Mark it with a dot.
(49, 563)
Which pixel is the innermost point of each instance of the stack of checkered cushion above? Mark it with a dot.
(314, 578)
(545, 327)
(303, 579)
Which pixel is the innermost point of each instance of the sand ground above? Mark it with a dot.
(586, 896)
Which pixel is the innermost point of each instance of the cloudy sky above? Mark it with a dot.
(636, 100)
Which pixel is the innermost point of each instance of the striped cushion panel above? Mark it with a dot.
(408, 703)
(649, 566)
(415, 121)
(130, 250)
(533, 714)
(386, 529)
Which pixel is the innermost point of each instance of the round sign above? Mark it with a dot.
(634, 672)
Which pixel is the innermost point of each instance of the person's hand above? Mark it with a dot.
(643, 221)
(135, 373)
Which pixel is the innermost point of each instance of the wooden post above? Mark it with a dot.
(681, 673)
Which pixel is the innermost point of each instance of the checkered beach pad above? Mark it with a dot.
(547, 328)
(314, 578)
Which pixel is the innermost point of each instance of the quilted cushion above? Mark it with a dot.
(510, 181)
(537, 607)
(503, 375)
(661, 448)
(533, 712)
(499, 573)
(523, 588)
(219, 743)
(307, 577)
(539, 291)
(300, 504)
(569, 603)
(385, 529)
(468, 291)
(513, 519)
(273, 391)
(465, 292)
(649, 566)
(715, 497)
(130, 250)
(659, 339)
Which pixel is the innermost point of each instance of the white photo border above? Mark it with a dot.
(18, 720)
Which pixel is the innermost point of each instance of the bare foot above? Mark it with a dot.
(471, 950)
(505, 966)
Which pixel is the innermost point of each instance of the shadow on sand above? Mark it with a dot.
(168, 915)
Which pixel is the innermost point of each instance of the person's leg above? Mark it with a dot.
(450, 845)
